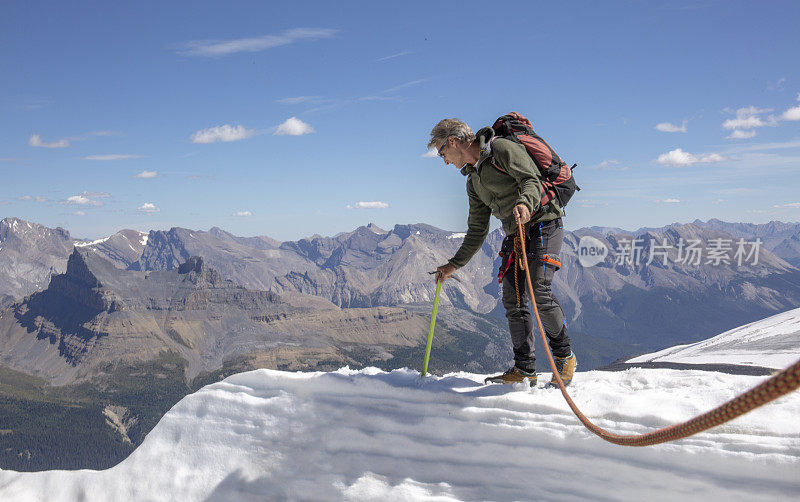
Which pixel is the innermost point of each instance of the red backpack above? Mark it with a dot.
(557, 179)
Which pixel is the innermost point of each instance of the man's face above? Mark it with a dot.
(450, 152)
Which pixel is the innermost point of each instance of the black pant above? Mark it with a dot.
(542, 239)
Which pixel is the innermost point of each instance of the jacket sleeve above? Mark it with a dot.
(518, 164)
(477, 228)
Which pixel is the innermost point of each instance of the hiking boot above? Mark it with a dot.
(513, 375)
(566, 368)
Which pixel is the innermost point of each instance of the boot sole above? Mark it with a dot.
(497, 380)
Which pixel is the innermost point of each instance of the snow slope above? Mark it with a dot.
(773, 342)
(371, 435)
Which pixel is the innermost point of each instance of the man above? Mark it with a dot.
(503, 180)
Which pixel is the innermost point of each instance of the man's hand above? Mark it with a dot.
(444, 272)
(522, 213)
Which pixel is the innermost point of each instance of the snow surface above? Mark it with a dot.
(773, 342)
(372, 435)
(92, 243)
(458, 235)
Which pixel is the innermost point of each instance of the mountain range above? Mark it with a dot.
(617, 307)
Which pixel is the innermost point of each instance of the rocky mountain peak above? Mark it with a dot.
(165, 250)
(197, 271)
(78, 268)
(220, 234)
(375, 228)
(25, 230)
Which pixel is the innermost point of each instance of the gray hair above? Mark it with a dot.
(447, 128)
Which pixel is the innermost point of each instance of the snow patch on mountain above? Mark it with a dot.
(92, 243)
(372, 435)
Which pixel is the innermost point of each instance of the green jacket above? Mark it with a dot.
(491, 191)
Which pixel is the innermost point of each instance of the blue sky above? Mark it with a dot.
(312, 117)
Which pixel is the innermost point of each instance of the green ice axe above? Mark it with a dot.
(430, 330)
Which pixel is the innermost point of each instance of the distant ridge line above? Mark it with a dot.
(731, 369)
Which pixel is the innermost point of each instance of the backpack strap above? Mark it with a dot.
(487, 150)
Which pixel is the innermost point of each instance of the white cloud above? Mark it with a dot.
(379, 98)
(25, 197)
(750, 117)
(776, 86)
(243, 213)
(299, 99)
(79, 213)
(79, 199)
(677, 157)
(764, 147)
(116, 156)
(96, 194)
(740, 134)
(712, 157)
(105, 133)
(612, 165)
(385, 58)
(671, 201)
(36, 140)
(39, 198)
(293, 127)
(668, 127)
(792, 113)
(680, 158)
(82, 200)
(254, 44)
(369, 205)
(147, 174)
(431, 153)
(791, 204)
(148, 207)
(743, 123)
(405, 85)
(223, 133)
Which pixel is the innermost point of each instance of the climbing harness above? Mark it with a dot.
(783, 383)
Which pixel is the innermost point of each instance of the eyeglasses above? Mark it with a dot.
(441, 148)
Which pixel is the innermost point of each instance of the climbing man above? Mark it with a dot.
(503, 180)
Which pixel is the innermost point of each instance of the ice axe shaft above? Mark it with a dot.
(430, 330)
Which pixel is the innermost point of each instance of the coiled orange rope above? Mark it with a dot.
(779, 385)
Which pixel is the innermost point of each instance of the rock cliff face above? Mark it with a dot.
(95, 314)
(29, 254)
